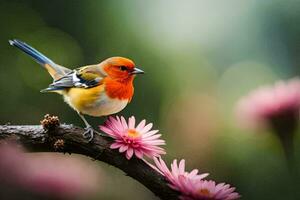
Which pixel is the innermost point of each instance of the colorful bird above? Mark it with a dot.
(96, 90)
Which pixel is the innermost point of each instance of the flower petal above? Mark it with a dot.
(129, 153)
(141, 125)
(138, 154)
(147, 128)
(131, 122)
(123, 148)
(115, 145)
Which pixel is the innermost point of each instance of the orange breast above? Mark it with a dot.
(122, 90)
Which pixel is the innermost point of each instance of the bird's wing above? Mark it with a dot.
(84, 77)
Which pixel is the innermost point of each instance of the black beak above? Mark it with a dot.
(137, 71)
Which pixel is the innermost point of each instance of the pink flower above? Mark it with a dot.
(138, 141)
(271, 106)
(207, 190)
(177, 171)
(68, 178)
(48, 175)
(191, 184)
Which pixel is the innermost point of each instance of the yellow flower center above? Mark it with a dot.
(133, 133)
(204, 192)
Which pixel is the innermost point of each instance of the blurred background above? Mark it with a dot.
(200, 57)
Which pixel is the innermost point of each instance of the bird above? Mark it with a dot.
(96, 90)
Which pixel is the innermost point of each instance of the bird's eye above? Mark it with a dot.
(123, 68)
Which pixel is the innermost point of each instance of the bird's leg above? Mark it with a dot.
(89, 131)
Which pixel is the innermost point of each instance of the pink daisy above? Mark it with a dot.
(271, 105)
(177, 171)
(207, 190)
(138, 141)
(191, 184)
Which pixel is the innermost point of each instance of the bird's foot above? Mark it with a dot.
(89, 133)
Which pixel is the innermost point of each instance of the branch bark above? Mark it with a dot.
(52, 137)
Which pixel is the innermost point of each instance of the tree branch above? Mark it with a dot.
(52, 137)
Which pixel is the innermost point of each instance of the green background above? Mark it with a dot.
(200, 57)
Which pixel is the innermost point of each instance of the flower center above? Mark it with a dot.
(204, 192)
(132, 133)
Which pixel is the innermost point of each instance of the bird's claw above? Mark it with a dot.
(89, 133)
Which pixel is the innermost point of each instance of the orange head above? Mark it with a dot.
(120, 68)
(120, 74)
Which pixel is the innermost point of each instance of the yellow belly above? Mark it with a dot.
(93, 101)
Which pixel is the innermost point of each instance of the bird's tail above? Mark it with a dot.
(55, 70)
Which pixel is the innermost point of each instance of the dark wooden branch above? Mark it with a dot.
(68, 138)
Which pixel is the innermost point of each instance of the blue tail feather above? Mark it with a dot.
(35, 54)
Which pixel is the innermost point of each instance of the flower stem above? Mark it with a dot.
(287, 144)
(288, 150)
